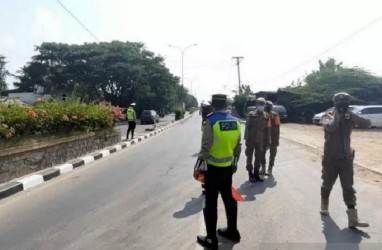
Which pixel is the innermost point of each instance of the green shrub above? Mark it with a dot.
(179, 114)
(56, 117)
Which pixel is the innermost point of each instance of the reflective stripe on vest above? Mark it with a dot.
(226, 135)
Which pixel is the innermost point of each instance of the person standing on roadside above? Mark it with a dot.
(132, 120)
(206, 110)
(220, 149)
(339, 156)
(271, 138)
(256, 124)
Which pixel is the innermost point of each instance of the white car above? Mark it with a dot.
(317, 119)
(370, 112)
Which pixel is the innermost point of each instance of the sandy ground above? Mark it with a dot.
(367, 143)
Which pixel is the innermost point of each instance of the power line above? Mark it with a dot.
(75, 18)
(343, 40)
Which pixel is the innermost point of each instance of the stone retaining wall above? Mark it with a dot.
(19, 161)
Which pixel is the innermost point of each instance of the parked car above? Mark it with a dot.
(317, 119)
(149, 117)
(282, 112)
(371, 112)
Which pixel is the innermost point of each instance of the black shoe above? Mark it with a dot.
(250, 176)
(258, 178)
(232, 235)
(207, 242)
(252, 179)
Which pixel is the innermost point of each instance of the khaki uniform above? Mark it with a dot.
(256, 124)
(271, 139)
(339, 155)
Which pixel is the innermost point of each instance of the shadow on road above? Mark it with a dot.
(250, 189)
(337, 239)
(192, 207)
(225, 244)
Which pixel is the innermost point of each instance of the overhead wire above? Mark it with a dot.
(78, 21)
(343, 40)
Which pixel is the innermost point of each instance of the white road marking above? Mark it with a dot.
(64, 168)
(87, 159)
(31, 181)
(105, 152)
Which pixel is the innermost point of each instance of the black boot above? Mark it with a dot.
(207, 242)
(232, 235)
(257, 177)
(251, 176)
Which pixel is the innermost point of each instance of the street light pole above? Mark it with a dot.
(182, 68)
(182, 51)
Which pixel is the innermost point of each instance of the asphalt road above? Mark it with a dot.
(140, 129)
(145, 198)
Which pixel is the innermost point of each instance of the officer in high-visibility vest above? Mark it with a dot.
(221, 148)
(132, 120)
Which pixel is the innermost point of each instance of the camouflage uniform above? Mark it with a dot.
(254, 136)
(339, 156)
(271, 138)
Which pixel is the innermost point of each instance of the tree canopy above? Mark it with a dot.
(315, 91)
(331, 77)
(117, 72)
(239, 101)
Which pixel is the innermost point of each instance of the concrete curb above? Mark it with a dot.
(33, 180)
(320, 151)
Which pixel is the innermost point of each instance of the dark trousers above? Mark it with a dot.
(331, 169)
(257, 150)
(219, 179)
(132, 125)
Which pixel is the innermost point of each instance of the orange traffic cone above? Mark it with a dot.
(237, 195)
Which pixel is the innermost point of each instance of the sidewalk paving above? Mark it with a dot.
(367, 143)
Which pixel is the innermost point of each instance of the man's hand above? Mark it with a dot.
(200, 166)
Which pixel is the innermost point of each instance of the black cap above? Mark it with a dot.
(220, 97)
(342, 97)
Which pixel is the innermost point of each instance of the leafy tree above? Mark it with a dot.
(239, 101)
(316, 90)
(118, 72)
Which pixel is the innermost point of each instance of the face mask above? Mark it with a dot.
(260, 108)
(342, 107)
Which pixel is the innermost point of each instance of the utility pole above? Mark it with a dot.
(238, 61)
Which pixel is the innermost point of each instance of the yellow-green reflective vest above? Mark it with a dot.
(226, 132)
(130, 114)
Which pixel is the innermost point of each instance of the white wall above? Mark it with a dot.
(26, 97)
